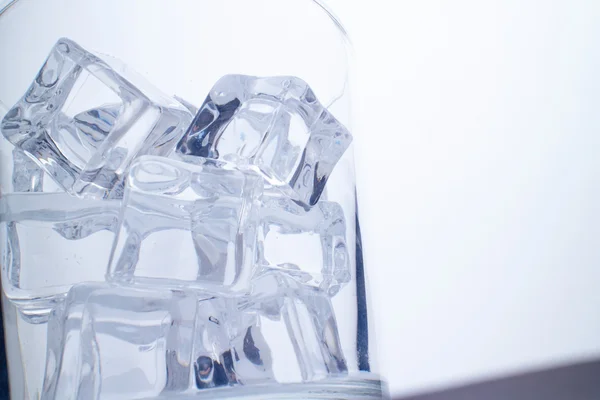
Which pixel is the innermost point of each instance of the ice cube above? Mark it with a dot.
(309, 246)
(91, 127)
(273, 125)
(309, 319)
(188, 224)
(84, 118)
(229, 347)
(27, 176)
(312, 327)
(49, 242)
(119, 342)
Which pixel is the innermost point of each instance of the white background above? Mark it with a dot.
(479, 169)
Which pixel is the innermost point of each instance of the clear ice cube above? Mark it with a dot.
(312, 327)
(84, 118)
(309, 246)
(273, 125)
(91, 127)
(188, 224)
(27, 176)
(130, 343)
(309, 319)
(119, 343)
(52, 240)
(229, 347)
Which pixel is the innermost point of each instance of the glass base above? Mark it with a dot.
(365, 386)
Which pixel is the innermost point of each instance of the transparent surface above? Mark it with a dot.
(232, 248)
(321, 232)
(46, 237)
(309, 319)
(83, 122)
(275, 125)
(188, 224)
(119, 343)
(124, 342)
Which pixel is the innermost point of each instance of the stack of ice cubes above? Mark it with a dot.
(155, 243)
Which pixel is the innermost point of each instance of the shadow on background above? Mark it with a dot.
(573, 382)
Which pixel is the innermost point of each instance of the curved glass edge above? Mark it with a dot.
(334, 18)
(347, 43)
(5, 4)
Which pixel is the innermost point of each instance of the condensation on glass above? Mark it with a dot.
(177, 199)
